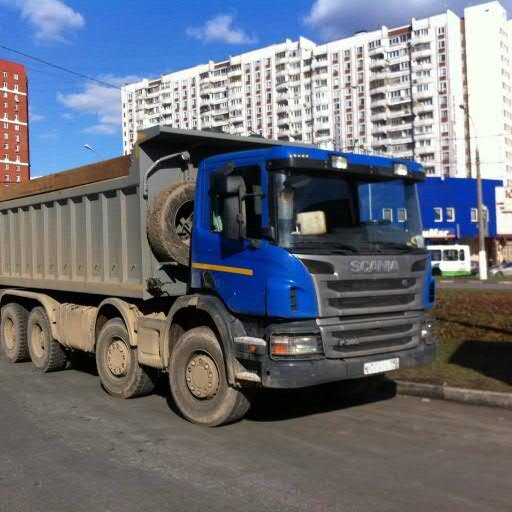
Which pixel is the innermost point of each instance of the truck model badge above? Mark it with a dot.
(373, 266)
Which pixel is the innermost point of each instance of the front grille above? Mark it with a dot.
(394, 343)
(356, 338)
(371, 302)
(367, 285)
(376, 331)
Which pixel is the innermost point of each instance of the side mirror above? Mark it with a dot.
(231, 192)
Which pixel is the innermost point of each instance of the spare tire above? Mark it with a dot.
(169, 222)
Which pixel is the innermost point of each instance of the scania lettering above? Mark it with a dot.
(370, 266)
(229, 264)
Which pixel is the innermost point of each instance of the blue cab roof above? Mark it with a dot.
(283, 152)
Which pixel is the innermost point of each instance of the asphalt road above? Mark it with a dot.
(67, 446)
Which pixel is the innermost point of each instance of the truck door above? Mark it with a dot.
(234, 269)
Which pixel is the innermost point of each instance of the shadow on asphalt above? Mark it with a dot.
(271, 405)
(268, 405)
(82, 362)
(490, 358)
(280, 405)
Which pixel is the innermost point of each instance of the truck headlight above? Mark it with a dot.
(400, 169)
(295, 345)
(427, 328)
(339, 162)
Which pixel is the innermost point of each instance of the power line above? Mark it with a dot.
(61, 68)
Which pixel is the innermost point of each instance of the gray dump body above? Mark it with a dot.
(84, 230)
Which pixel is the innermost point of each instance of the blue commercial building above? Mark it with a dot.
(449, 207)
(449, 211)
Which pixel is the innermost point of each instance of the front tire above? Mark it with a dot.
(198, 381)
(120, 373)
(46, 353)
(13, 332)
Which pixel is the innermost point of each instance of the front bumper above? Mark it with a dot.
(305, 373)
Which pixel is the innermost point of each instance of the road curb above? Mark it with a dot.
(461, 395)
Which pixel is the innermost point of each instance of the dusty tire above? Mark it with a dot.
(46, 354)
(13, 332)
(169, 222)
(203, 396)
(500, 274)
(120, 373)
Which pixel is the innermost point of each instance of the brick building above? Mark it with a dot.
(14, 152)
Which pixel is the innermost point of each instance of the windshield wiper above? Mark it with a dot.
(327, 246)
(397, 245)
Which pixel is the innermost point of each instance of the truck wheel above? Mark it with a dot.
(120, 373)
(13, 331)
(198, 381)
(169, 222)
(46, 353)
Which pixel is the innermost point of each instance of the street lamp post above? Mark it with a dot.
(482, 256)
(90, 148)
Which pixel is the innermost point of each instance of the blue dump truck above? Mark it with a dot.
(229, 263)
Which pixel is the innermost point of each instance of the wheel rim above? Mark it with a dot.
(118, 358)
(38, 341)
(202, 376)
(10, 333)
(183, 221)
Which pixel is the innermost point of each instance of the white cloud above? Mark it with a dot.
(100, 101)
(339, 18)
(220, 29)
(52, 20)
(34, 118)
(67, 116)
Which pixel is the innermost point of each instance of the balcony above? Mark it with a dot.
(381, 89)
(379, 50)
(379, 116)
(421, 39)
(382, 75)
(405, 154)
(378, 63)
(399, 100)
(380, 102)
(419, 54)
(235, 72)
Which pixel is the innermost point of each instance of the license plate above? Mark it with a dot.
(386, 365)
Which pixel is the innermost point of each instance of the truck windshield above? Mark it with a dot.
(321, 212)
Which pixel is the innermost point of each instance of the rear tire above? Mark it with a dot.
(47, 354)
(120, 373)
(198, 382)
(13, 332)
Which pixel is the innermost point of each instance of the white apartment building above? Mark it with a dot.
(402, 91)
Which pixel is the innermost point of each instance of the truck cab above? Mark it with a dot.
(320, 256)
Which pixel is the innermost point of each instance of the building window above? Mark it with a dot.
(438, 215)
(474, 214)
(402, 214)
(450, 214)
(387, 214)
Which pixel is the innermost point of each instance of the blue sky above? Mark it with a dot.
(118, 41)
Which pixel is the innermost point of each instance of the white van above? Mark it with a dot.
(450, 260)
